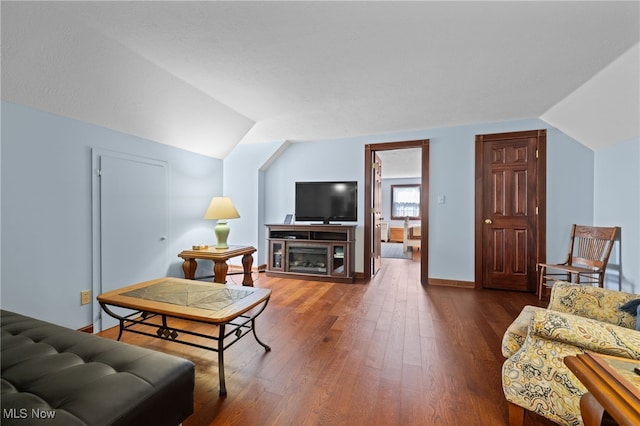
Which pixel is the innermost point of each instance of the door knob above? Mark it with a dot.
(488, 221)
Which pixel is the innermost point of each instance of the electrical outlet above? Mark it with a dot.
(85, 297)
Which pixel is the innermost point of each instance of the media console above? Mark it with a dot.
(313, 252)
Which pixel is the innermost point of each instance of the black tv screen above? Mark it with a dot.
(327, 201)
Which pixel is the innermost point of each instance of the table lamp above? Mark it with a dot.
(221, 209)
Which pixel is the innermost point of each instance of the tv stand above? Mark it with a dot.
(322, 252)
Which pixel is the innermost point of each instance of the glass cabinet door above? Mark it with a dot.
(338, 257)
(277, 255)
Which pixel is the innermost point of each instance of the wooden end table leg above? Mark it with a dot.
(189, 268)
(247, 262)
(220, 269)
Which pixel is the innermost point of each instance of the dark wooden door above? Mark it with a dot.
(509, 209)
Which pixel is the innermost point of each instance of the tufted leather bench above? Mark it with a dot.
(59, 376)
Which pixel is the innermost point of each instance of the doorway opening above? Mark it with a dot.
(373, 204)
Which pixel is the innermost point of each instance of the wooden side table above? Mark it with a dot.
(220, 258)
(614, 388)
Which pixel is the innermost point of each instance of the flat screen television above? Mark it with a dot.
(327, 201)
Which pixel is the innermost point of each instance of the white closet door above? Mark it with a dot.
(133, 223)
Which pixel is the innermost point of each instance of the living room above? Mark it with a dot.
(50, 238)
(54, 215)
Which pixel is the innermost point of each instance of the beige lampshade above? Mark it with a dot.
(221, 208)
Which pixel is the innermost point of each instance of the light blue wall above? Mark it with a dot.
(569, 184)
(451, 225)
(46, 208)
(617, 194)
(452, 163)
(46, 227)
(243, 182)
(310, 161)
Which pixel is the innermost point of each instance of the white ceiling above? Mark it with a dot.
(207, 75)
(401, 163)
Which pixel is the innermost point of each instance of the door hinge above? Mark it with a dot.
(99, 172)
(537, 153)
(536, 210)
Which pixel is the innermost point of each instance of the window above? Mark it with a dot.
(405, 201)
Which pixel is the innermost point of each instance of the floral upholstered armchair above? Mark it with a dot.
(579, 318)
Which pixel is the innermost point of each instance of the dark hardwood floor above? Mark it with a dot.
(387, 352)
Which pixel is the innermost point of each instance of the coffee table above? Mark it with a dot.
(232, 309)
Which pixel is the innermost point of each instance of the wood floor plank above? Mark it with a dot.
(386, 352)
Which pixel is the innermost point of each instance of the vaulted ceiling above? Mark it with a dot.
(205, 76)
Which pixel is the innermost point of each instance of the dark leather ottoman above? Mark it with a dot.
(57, 376)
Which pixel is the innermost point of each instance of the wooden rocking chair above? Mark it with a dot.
(587, 260)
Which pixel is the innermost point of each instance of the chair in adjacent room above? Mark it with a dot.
(586, 261)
